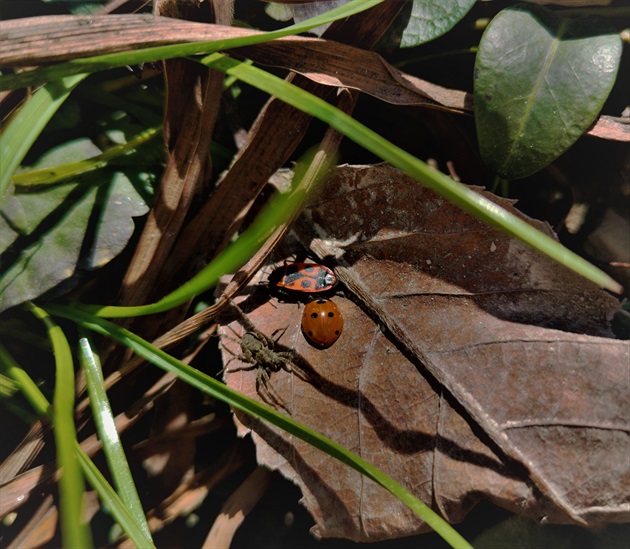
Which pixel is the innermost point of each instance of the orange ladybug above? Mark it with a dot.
(322, 323)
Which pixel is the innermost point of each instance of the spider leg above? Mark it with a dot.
(249, 326)
(233, 357)
(243, 357)
(239, 368)
(267, 393)
(285, 361)
(293, 368)
(246, 321)
(279, 332)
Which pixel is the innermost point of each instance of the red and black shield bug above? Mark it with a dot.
(302, 278)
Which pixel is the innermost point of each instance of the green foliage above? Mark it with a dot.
(51, 232)
(130, 524)
(457, 193)
(540, 82)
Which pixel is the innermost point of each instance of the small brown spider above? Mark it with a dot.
(258, 350)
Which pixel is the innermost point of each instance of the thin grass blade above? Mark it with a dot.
(75, 532)
(106, 428)
(28, 123)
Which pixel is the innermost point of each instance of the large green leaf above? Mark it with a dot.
(48, 232)
(540, 81)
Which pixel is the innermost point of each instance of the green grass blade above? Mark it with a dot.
(25, 384)
(7, 386)
(457, 193)
(28, 123)
(47, 176)
(75, 532)
(114, 503)
(239, 401)
(106, 429)
(104, 62)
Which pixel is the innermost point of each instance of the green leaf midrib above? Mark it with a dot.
(536, 90)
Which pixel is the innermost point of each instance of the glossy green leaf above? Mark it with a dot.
(48, 233)
(540, 81)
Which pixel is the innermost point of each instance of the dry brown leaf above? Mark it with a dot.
(40, 529)
(334, 64)
(493, 376)
(609, 127)
(45, 39)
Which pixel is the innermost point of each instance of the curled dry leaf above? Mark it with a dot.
(472, 369)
